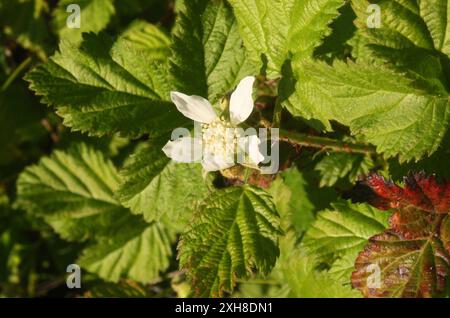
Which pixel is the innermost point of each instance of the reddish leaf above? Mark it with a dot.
(407, 268)
(445, 233)
(411, 223)
(426, 193)
(412, 257)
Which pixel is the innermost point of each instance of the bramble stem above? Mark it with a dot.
(25, 63)
(277, 115)
(296, 138)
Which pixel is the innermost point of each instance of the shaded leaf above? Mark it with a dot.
(20, 124)
(25, 22)
(339, 165)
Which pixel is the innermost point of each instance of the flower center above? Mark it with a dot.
(220, 138)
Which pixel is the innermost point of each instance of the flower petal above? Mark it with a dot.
(250, 145)
(194, 107)
(185, 149)
(241, 102)
(213, 162)
(253, 150)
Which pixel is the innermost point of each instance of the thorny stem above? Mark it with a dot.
(25, 63)
(325, 143)
(277, 115)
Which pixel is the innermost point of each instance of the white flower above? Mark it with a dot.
(220, 138)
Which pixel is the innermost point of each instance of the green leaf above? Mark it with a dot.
(208, 58)
(154, 186)
(342, 232)
(414, 37)
(405, 24)
(102, 88)
(95, 16)
(343, 29)
(341, 269)
(261, 288)
(145, 38)
(235, 230)
(73, 191)
(398, 116)
(289, 192)
(283, 29)
(137, 251)
(347, 226)
(300, 274)
(306, 282)
(338, 165)
(397, 94)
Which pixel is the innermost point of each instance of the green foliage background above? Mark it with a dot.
(85, 112)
